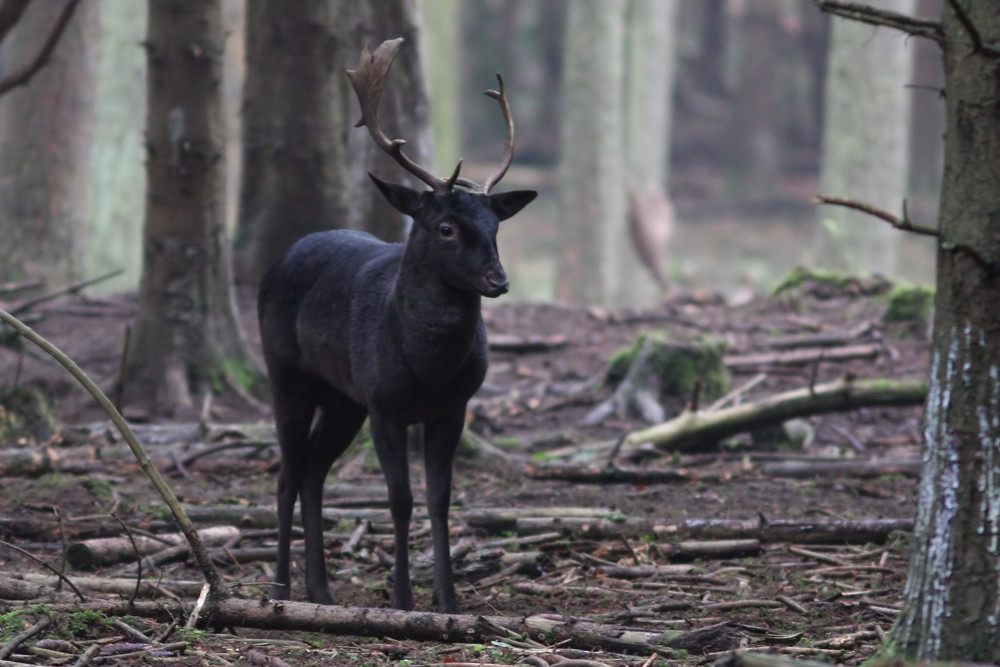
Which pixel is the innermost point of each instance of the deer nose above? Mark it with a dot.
(496, 282)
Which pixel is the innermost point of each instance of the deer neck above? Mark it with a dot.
(422, 300)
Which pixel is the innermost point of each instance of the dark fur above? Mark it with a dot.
(351, 327)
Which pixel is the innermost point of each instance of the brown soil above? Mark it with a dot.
(828, 600)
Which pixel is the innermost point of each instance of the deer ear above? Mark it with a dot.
(402, 198)
(507, 204)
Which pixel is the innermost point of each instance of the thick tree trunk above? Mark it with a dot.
(865, 150)
(295, 123)
(951, 607)
(46, 131)
(186, 335)
(305, 167)
(591, 162)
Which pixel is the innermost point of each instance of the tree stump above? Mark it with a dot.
(655, 368)
(27, 415)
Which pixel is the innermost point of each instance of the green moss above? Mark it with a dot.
(825, 284)
(910, 304)
(677, 365)
(80, 625)
(27, 415)
(100, 489)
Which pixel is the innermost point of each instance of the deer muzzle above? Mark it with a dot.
(495, 282)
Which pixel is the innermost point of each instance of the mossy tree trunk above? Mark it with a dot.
(186, 335)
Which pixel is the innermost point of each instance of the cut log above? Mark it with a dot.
(90, 554)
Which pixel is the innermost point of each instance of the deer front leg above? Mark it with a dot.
(389, 436)
(440, 442)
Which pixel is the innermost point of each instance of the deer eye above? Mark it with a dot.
(446, 230)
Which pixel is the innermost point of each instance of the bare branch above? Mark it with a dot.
(978, 45)
(24, 75)
(864, 13)
(903, 223)
(906, 225)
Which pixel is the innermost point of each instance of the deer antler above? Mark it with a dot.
(368, 80)
(508, 118)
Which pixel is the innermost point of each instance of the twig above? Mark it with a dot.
(62, 291)
(120, 384)
(138, 556)
(41, 562)
(903, 223)
(24, 75)
(21, 637)
(864, 13)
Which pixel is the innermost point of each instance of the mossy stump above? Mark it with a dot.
(27, 416)
(656, 368)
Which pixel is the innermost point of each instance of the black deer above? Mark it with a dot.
(354, 327)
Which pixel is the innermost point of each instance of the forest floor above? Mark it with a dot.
(747, 544)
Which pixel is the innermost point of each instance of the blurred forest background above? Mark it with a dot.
(692, 134)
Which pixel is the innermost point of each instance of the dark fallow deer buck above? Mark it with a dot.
(354, 327)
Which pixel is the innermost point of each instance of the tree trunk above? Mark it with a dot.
(442, 28)
(46, 131)
(119, 188)
(305, 167)
(591, 163)
(865, 149)
(649, 78)
(405, 115)
(295, 122)
(754, 134)
(186, 336)
(952, 595)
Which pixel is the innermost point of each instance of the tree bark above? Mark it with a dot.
(295, 122)
(865, 152)
(952, 595)
(186, 335)
(591, 162)
(46, 132)
(650, 55)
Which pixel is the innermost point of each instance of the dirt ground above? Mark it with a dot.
(821, 589)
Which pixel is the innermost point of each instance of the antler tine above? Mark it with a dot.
(501, 97)
(368, 80)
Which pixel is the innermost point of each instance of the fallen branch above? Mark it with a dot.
(420, 626)
(802, 532)
(691, 431)
(745, 362)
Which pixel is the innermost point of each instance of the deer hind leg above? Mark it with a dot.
(440, 442)
(293, 414)
(338, 423)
